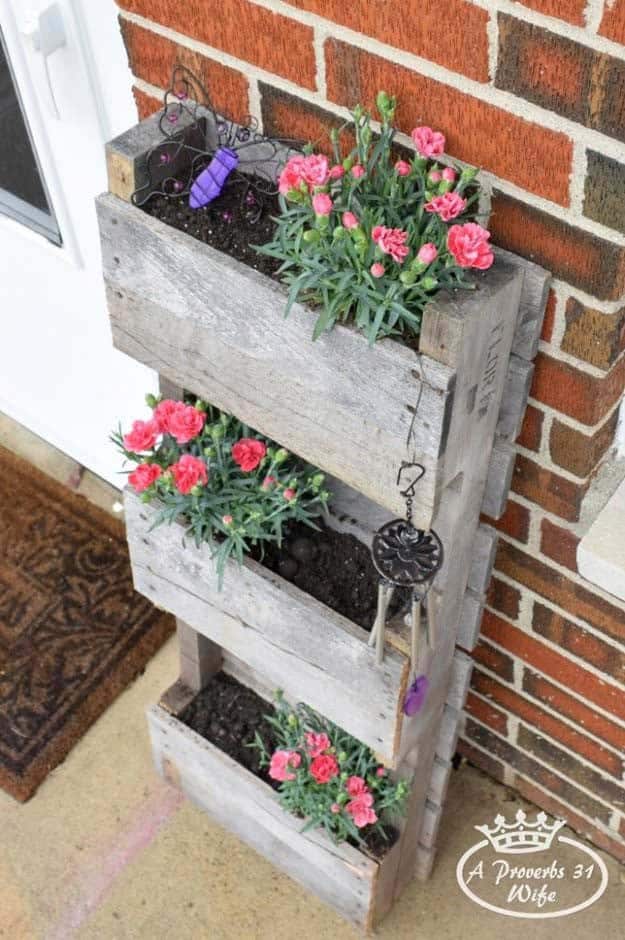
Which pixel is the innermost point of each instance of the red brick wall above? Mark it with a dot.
(534, 94)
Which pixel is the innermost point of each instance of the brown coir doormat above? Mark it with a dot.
(73, 632)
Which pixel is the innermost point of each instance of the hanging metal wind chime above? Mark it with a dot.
(409, 558)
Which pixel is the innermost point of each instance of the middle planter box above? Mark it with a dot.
(295, 642)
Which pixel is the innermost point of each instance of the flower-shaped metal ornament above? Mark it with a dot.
(406, 556)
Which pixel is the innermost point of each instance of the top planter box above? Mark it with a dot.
(215, 326)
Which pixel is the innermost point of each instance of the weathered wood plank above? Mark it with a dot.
(515, 393)
(536, 281)
(462, 667)
(470, 620)
(296, 643)
(340, 875)
(448, 734)
(331, 401)
(200, 658)
(431, 821)
(439, 781)
(483, 558)
(500, 470)
(424, 863)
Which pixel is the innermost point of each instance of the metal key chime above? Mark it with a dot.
(406, 557)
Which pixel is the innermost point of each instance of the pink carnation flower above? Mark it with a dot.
(324, 767)
(427, 253)
(188, 472)
(280, 763)
(185, 422)
(449, 174)
(468, 244)
(163, 413)
(322, 204)
(316, 744)
(268, 482)
(377, 269)
(402, 168)
(335, 808)
(381, 772)
(289, 494)
(316, 170)
(392, 241)
(358, 171)
(447, 206)
(337, 172)
(144, 476)
(292, 175)
(435, 176)
(429, 143)
(349, 220)
(360, 809)
(142, 436)
(355, 786)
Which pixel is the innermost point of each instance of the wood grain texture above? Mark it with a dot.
(483, 558)
(470, 620)
(515, 395)
(340, 875)
(536, 282)
(332, 401)
(500, 470)
(295, 642)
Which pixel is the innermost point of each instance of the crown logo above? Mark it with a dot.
(521, 836)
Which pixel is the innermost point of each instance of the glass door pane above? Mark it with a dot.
(22, 190)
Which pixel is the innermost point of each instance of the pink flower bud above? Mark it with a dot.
(377, 269)
(350, 220)
(268, 483)
(289, 494)
(335, 808)
(227, 520)
(435, 176)
(427, 253)
(381, 772)
(402, 168)
(322, 204)
(358, 171)
(337, 172)
(449, 174)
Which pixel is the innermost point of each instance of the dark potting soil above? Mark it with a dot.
(228, 714)
(236, 221)
(333, 567)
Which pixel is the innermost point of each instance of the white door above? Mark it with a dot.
(64, 90)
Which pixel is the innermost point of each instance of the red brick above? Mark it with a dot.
(585, 397)
(568, 706)
(593, 264)
(531, 430)
(515, 521)
(561, 590)
(581, 453)
(562, 75)
(549, 318)
(553, 664)
(485, 762)
(152, 57)
(568, 765)
(579, 642)
(485, 713)
(504, 598)
(494, 659)
(146, 104)
(526, 765)
(284, 115)
(476, 131)
(583, 827)
(269, 40)
(549, 490)
(570, 10)
(595, 337)
(511, 701)
(613, 21)
(462, 45)
(559, 543)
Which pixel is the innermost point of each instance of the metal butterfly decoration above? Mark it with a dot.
(200, 151)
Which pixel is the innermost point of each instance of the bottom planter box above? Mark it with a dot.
(359, 887)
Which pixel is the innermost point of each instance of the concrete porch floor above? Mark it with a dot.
(106, 851)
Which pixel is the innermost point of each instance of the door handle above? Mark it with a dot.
(47, 38)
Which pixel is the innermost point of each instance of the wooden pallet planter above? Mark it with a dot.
(215, 327)
(358, 886)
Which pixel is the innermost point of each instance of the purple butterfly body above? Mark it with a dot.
(415, 696)
(211, 181)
